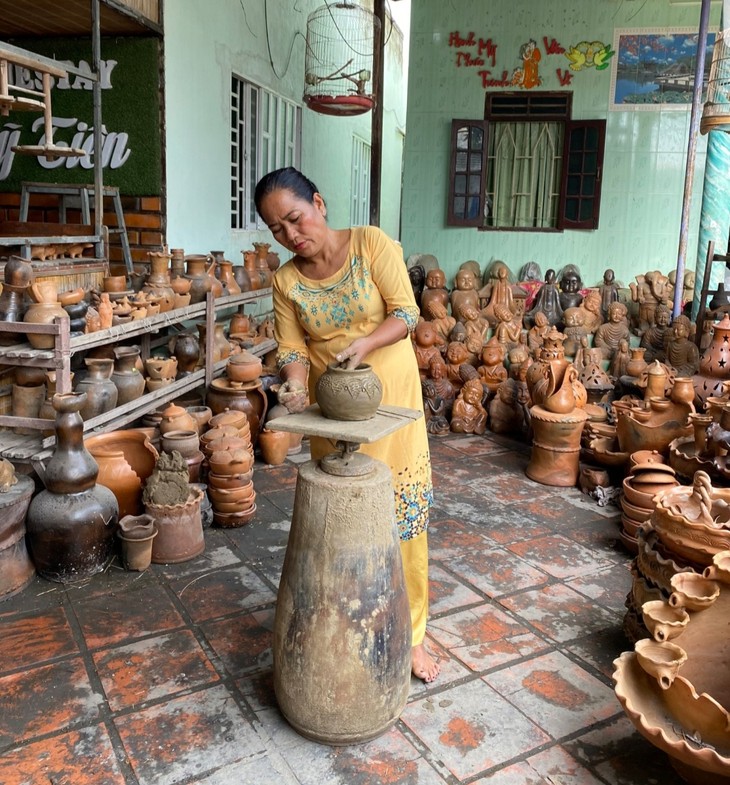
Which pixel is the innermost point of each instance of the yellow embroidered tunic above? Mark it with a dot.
(314, 320)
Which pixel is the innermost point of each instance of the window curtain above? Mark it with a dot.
(524, 176)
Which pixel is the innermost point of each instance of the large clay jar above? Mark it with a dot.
(71, 523)
(101, 392)
(274, 446)
(349, 393)
(43, 313)
(227, 278)
(262, 264)
(221, 346)
(198, 266)
(249, 398)
(126, 376)
(715, 362)
(186, 349)
(16, 568)
(242, 278)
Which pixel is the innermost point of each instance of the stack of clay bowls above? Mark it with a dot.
(161, 371)
(647, 479)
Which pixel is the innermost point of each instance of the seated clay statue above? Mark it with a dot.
(509, 330)
(437, 314)
(609, 334)
(649, 291)
(574, 329)
(547, 301)
(530, 281)
(418, 277)
(620, 360)
(608, 291)
(438, 373)
(456, 355)
(426, 344)
(476, 327)
(492, 371)
(682, 354)
(468, 415)
(434, 409)
(505, 413)
(497, 291)
(518, 357)
(591, 308)
(537, 333)
(570, 285)
(655, 337)
(435, 291)
(464, 294)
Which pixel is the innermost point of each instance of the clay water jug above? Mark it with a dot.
(227, 278)
(71, 523)
(186, 349)
(126, 376)
(249, 265)
(101, 392)
(200, 271)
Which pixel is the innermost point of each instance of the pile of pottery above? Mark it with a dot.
(674, 685)
(179, 432)
(229, 452)
(161, 371)
(640, 492)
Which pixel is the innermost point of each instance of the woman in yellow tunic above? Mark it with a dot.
(345, 296)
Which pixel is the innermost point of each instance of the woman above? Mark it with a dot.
(346, 296)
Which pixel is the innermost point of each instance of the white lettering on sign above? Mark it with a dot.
(32, 80)
(9, 137)
(114, 151)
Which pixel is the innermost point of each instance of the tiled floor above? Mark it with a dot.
(164, 677)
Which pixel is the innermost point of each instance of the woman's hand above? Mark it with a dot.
(354, 354)
(293, 394)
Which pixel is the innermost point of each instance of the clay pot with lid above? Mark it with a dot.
(244, 367)
(175, 418)
(349, 394)
(43, 313)
(249, 398)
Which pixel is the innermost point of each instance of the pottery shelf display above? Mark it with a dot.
(65, 346)
(674, 685)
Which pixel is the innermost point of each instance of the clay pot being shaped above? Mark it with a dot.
(274, 446)
(71, 523)
(349, 393)
(43, 313)
(101, 392)
(126, 376)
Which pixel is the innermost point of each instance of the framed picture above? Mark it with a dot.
(654, 68)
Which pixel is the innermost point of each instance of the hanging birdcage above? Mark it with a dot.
(338, 66)
(716, 112)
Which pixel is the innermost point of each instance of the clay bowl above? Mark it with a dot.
(636, 512)
(719, 570)
(229, 481)
(230, 495)
(231, 463)
(232, 520)
(71, 297)
(663, 621)
(660, 660)
(187, 443)
(642, 457)
(606, 451)
(234, 507)
(157, 384)
(636, 497)
(161, 367)
(230, 418)
(693, 591)
(115, 283)
(218, 433)
(631, 527)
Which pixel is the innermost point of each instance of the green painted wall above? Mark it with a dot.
(204, 44)
(644, 166)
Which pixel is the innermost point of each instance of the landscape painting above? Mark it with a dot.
(655, 68)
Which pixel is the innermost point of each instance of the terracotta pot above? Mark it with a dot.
(242, 278)
(187, 443)
(161, 367)
(16, 568)
(230, 418)
(101, 392)
(243, 493)
(249, 265)
(126, 376)
(683, 390)
(175, 418)
(228, 481)
(348, 394)
(71, 524)
(274, 446)
(249, 398)
(227, 278)
(137, 553)
(186, 350)
(637, 363)
(201, 415)
(221, 347)
(231, 463)
(43, 313)
(239, 324)
(115, 283)
(27, 402)
(554, 459)
(200, 272)
(18, 272)
(244, 367)
(179, 530)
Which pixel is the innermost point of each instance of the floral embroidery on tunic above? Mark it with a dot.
(413, 499)
(408, 315)
(291, 356)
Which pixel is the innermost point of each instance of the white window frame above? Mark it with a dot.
(266, 133)
(360, 186)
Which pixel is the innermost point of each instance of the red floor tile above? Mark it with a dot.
(497, 571)
(75, 758)
(45, 699)
(243, 643)
(446, 593)
(153, 668)
(559, 556)
(30, 640)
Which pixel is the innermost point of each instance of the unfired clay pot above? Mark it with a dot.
(349, 394)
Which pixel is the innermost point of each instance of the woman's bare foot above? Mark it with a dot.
(423, 665)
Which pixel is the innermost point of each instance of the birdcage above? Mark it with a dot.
(716, 112)
(338, 65)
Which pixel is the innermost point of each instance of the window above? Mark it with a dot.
(265, 135)
(360, 205)
(526, 166)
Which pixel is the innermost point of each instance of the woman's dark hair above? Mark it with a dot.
(290, 179)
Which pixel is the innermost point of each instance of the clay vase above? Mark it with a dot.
(18, 272)
(186, 350)
(101, 392)
(16, 568)
(637, 363)
(71, 523)
(274, 446)
(683, 390)
(656, 379)
(199, 270)
(349, 394)
(177, 262)
(248, 398)
(242, 279)
(262, 263)
(43, 313)
(240, 324)
(126, 376)
(227, 278)
(272, 258)
(714, 362)
(249, 265)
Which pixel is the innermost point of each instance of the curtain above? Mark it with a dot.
(524, 174)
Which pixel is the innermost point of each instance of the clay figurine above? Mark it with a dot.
(435, 290)
(537, 333)
(469, 416)
(591, 308)
(492, 371)
(464, 294)
(456, 355)
(505, 413)
(620, 359)
(434, 409)
(509, 330)
(608, 291)
(426, 345)
(657, 335)
(106, 312)
(570, 285)
(438, 316)
(681, 353)
(418, 277)
(547, 301)
(476, 327)
(574, 329)
(496, 292)
(608, 335)
(649, 290)
(438, 373)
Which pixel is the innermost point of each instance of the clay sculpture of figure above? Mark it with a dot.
(591, 308)
(509, 330)
(438, 316)
(438, 373)
(105, 311)
(547, 301)
(434, 409)
(468, 415)
(537, 333)
(492, 371)
(435, 290)
(496, 292)
(649, 290)
(418, 277)
(476, 327)
(464, 294)
(574, 329)
(530, 281)
(681, 353)
(656, 336)
(426, 344)
(608, 291)
(621, 358)
(570, 285)
(608, 335)
(456, 355)
(518, 357)
(505, 413)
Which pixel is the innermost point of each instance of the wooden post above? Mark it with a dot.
(376, 133)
